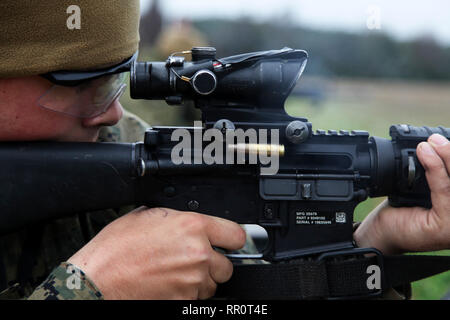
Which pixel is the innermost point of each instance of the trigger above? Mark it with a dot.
(243, 256)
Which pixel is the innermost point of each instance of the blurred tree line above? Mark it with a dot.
(371, 54)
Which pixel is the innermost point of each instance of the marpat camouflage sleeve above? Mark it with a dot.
(67, 282)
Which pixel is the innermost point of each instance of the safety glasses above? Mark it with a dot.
(86, 100)
(85, 94)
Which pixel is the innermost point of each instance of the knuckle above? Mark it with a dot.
(154, 211)
(142, 215)
(445, 151)
(434, 164)
(194, 223)
(199, 252)
(196, 279)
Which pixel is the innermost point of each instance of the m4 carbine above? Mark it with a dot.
(306, 206)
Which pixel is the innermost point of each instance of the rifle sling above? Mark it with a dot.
(302, 279)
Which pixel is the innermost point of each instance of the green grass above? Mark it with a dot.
(435, 287)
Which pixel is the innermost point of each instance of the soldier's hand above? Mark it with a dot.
(397, 230)
(160, 254)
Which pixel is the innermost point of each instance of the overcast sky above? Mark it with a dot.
(401, 18)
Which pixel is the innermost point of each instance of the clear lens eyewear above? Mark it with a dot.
(86, 100)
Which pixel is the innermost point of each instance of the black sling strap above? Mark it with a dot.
(328, 277)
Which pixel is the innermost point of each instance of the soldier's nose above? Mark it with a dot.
(109, 118)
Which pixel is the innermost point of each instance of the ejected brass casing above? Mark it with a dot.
(255, 148)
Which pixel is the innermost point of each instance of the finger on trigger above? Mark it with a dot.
(224, 233)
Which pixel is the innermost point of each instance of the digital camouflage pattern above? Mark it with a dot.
(66, 282)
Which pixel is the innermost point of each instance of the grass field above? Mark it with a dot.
(352, 105)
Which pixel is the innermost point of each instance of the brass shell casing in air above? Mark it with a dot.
(256, 148)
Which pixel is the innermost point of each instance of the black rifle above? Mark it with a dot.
(306, 207)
